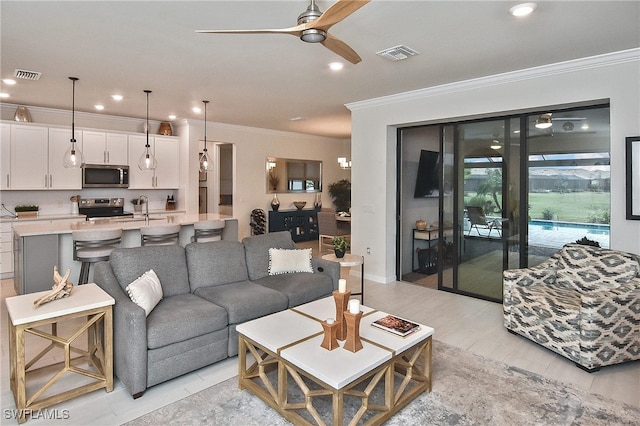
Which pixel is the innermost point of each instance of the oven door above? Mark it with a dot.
(105, 176)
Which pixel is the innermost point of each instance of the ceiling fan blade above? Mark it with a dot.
(336, 13)
(341, 48)
(296, 31)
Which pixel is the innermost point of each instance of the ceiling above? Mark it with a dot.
(265, 80)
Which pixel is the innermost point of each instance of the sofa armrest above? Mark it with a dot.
(327, 267)
(129, 332)
(542, 274)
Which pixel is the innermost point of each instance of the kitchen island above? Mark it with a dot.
(40, 246)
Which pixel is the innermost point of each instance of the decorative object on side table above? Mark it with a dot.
(317, 202)
(341, 299)
(421, 225)
(27, 210)
(275, 203)
(340, 246)
(61, 288)
(330, 328)
(299, 204)
(352, 318)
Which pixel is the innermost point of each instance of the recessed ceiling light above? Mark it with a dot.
(172, 117)
(116, 97)
(336, 66)
(9, 81)
(99, 107)
(296, 118)
(4, 95)
(585, 126)
(523, 9)
(196, 110)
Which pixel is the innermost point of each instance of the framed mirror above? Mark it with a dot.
(289, 175)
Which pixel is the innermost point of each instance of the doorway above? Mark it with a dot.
(510, 194)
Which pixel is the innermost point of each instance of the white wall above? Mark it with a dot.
(614, 77)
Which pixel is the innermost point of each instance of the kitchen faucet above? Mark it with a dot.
(146, 206)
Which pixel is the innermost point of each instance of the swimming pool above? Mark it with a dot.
(555, 234)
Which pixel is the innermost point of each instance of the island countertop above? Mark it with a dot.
(125, 223)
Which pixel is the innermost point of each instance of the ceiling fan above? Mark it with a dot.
(313, 27)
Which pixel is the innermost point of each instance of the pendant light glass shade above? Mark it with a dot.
(73, 158)
(147, 160)
(205, 161)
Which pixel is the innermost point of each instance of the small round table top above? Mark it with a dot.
(348, 259)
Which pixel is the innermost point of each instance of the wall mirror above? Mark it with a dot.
(288, 175)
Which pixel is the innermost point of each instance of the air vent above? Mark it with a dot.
(397, 53)
(27, 75)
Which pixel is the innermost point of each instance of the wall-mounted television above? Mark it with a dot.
(427, 182)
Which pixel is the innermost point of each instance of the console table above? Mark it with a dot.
(303, 224)
(429, 235)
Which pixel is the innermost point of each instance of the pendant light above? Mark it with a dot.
(73, 158)
(147, 160)
(205, 161)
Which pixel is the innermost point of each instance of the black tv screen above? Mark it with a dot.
(427, 182)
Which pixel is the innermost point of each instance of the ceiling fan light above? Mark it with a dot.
(313, 35)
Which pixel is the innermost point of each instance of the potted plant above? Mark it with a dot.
(340, 191)
(137, 204)
(27, 210)
(340, 246)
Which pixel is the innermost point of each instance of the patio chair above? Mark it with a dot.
(479, 221)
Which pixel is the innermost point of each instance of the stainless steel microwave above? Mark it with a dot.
(105, 176)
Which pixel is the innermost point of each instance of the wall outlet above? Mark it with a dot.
(368, 250)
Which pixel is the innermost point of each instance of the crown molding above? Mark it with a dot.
(607, 59)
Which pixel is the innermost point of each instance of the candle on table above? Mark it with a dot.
(330, 321)
(342, 285)
(354, 306)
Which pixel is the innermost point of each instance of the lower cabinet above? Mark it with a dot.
(303, 224)
(30, 277)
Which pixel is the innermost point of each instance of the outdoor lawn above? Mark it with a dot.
(584, 207)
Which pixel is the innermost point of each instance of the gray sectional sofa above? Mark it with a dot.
(208, 288)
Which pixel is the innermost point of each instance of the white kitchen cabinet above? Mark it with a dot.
(5, 155)
(36, 159)
(104, 148)
(61, 177)
(167, 153)
(29, 157)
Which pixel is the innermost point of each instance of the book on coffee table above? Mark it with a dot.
(396, 325)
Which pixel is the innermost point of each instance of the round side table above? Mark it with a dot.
(348, 261)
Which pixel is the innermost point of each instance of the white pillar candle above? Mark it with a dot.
(330, 321)
(342, 285)
(354, 306)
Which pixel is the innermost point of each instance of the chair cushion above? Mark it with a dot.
(215, 263)
(586, 268)
(182, 317)
(168, 262)
(301, 287)
(244, 300)
(256, 250)
(550, 303)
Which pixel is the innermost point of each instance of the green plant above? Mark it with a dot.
(340, 243)
(340, 191)
(587, 242)
(547, 214)
(27, 208)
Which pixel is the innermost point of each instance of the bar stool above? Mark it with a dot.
(93, 245)
(159, 235)
(207, 230)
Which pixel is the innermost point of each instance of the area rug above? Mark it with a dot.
(467, 390)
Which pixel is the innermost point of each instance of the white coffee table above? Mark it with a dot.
(289, 341)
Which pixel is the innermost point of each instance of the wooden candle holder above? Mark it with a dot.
(353, 342)
(341, 299)
(330, 341)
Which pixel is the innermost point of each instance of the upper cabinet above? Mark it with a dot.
(104, 148)
(36, 159)
(167, 153)
(5, 155)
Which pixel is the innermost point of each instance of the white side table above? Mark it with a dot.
(87, 302)
(348, 261)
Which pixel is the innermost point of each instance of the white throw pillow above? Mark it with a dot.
(146, 291)
(282, 261)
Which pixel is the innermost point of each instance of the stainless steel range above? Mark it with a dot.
(96, 208)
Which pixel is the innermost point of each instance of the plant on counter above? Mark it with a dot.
(27, 208)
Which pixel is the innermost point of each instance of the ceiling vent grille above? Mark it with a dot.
(27, 75)
(397, 53)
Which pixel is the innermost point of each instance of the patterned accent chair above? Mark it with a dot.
(583, 303)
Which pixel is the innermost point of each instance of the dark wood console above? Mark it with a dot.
(303, 224)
